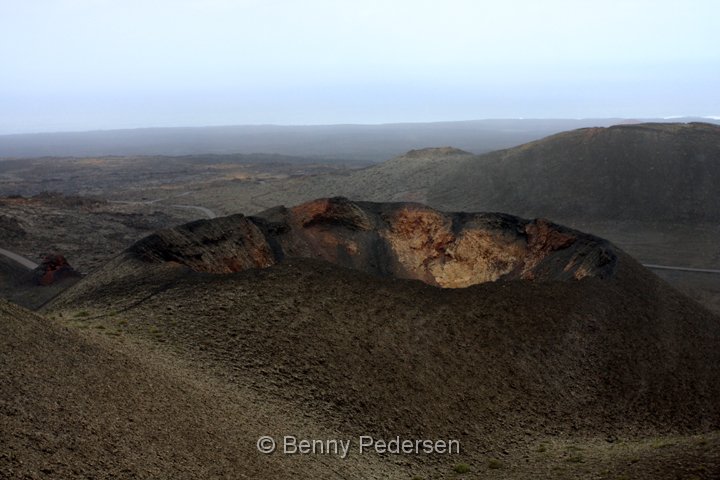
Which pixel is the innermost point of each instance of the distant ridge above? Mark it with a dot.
(354, 142)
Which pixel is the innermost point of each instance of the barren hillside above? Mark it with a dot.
(514, 369)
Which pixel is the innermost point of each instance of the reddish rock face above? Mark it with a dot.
(53, 269)
(405, 240)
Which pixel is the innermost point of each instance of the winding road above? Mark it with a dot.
(19, 259)
(680, 269)
(204, 210)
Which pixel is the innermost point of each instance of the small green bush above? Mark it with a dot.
(462, 468)
(494, 464)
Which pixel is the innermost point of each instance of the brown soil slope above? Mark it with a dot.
(623, 354)
(501, 366)
(76, 405)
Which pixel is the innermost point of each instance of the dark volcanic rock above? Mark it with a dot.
(222, 245)
(72, 201)
(10, 228)
(404, 240)
(53, 269)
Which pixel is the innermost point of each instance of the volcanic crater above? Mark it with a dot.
(404, 240)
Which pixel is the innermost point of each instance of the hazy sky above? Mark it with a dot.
(98, 64)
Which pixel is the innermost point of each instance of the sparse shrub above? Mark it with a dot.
(462, 468)
(494, 464)
(542, 448)
(661, 443)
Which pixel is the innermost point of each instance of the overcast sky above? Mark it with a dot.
(99, 64)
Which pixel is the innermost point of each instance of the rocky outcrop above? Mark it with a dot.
(222, 245)
(405, 240)
(53, 269)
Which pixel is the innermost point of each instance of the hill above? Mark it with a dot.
(650, 172)
(514, 369)
(644, 172)
(406, 178)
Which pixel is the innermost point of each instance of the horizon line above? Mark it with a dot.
(360, 124)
